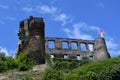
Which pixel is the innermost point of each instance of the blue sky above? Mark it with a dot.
(81, 19)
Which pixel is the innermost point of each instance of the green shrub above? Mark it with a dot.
(84, 70)
(114, 73)
(26, 78)
(10, 63)
(24, 63)
(73, 65)
(23, 67)
(51, 74)
(48, 59)
(91, 76)
(2, 57)
(62, 65)
(2, 66)
(21, 62)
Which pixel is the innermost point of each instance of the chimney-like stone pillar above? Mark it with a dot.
(87, 47)
(58, 44)
(69, 45)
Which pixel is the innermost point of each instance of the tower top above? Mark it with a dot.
(32, 18)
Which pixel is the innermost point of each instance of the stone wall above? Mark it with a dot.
(73, 48)
(32, 39)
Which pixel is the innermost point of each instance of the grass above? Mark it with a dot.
(20, 75)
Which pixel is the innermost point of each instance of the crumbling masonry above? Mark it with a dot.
(32, 39)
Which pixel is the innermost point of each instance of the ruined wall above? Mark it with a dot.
(31, 39)
(93, 50)
(101, 49)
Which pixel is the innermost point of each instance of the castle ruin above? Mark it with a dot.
(32, 39)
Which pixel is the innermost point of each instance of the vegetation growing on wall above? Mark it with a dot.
(20, 62)
(66, 69)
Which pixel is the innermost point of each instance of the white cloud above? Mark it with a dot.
(4, 6)
(62, 18)
(11, 18)
(52, 11)
(111, 44)
(47, 9)
(6, 51)
(78, 29)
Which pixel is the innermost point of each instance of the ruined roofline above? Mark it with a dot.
(67, 38)
(50, 38)
(31, 17)
(70, 39)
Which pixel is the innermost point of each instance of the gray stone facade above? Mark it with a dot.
(93, 50)
(32, 39)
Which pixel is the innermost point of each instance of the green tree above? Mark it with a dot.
(24, 63)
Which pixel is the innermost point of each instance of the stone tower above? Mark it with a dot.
(32, 38)
(100, 49)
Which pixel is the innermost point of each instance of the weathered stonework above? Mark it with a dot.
(99, 48)
(32, 39)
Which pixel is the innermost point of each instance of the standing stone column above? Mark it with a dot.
(58, 44)
(69, 45)
(78, 46)
(87, 47)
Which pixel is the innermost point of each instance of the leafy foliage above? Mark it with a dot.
(68, 69)
(21, 62)
(25, 78)
(91, 75)
(24, 63)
